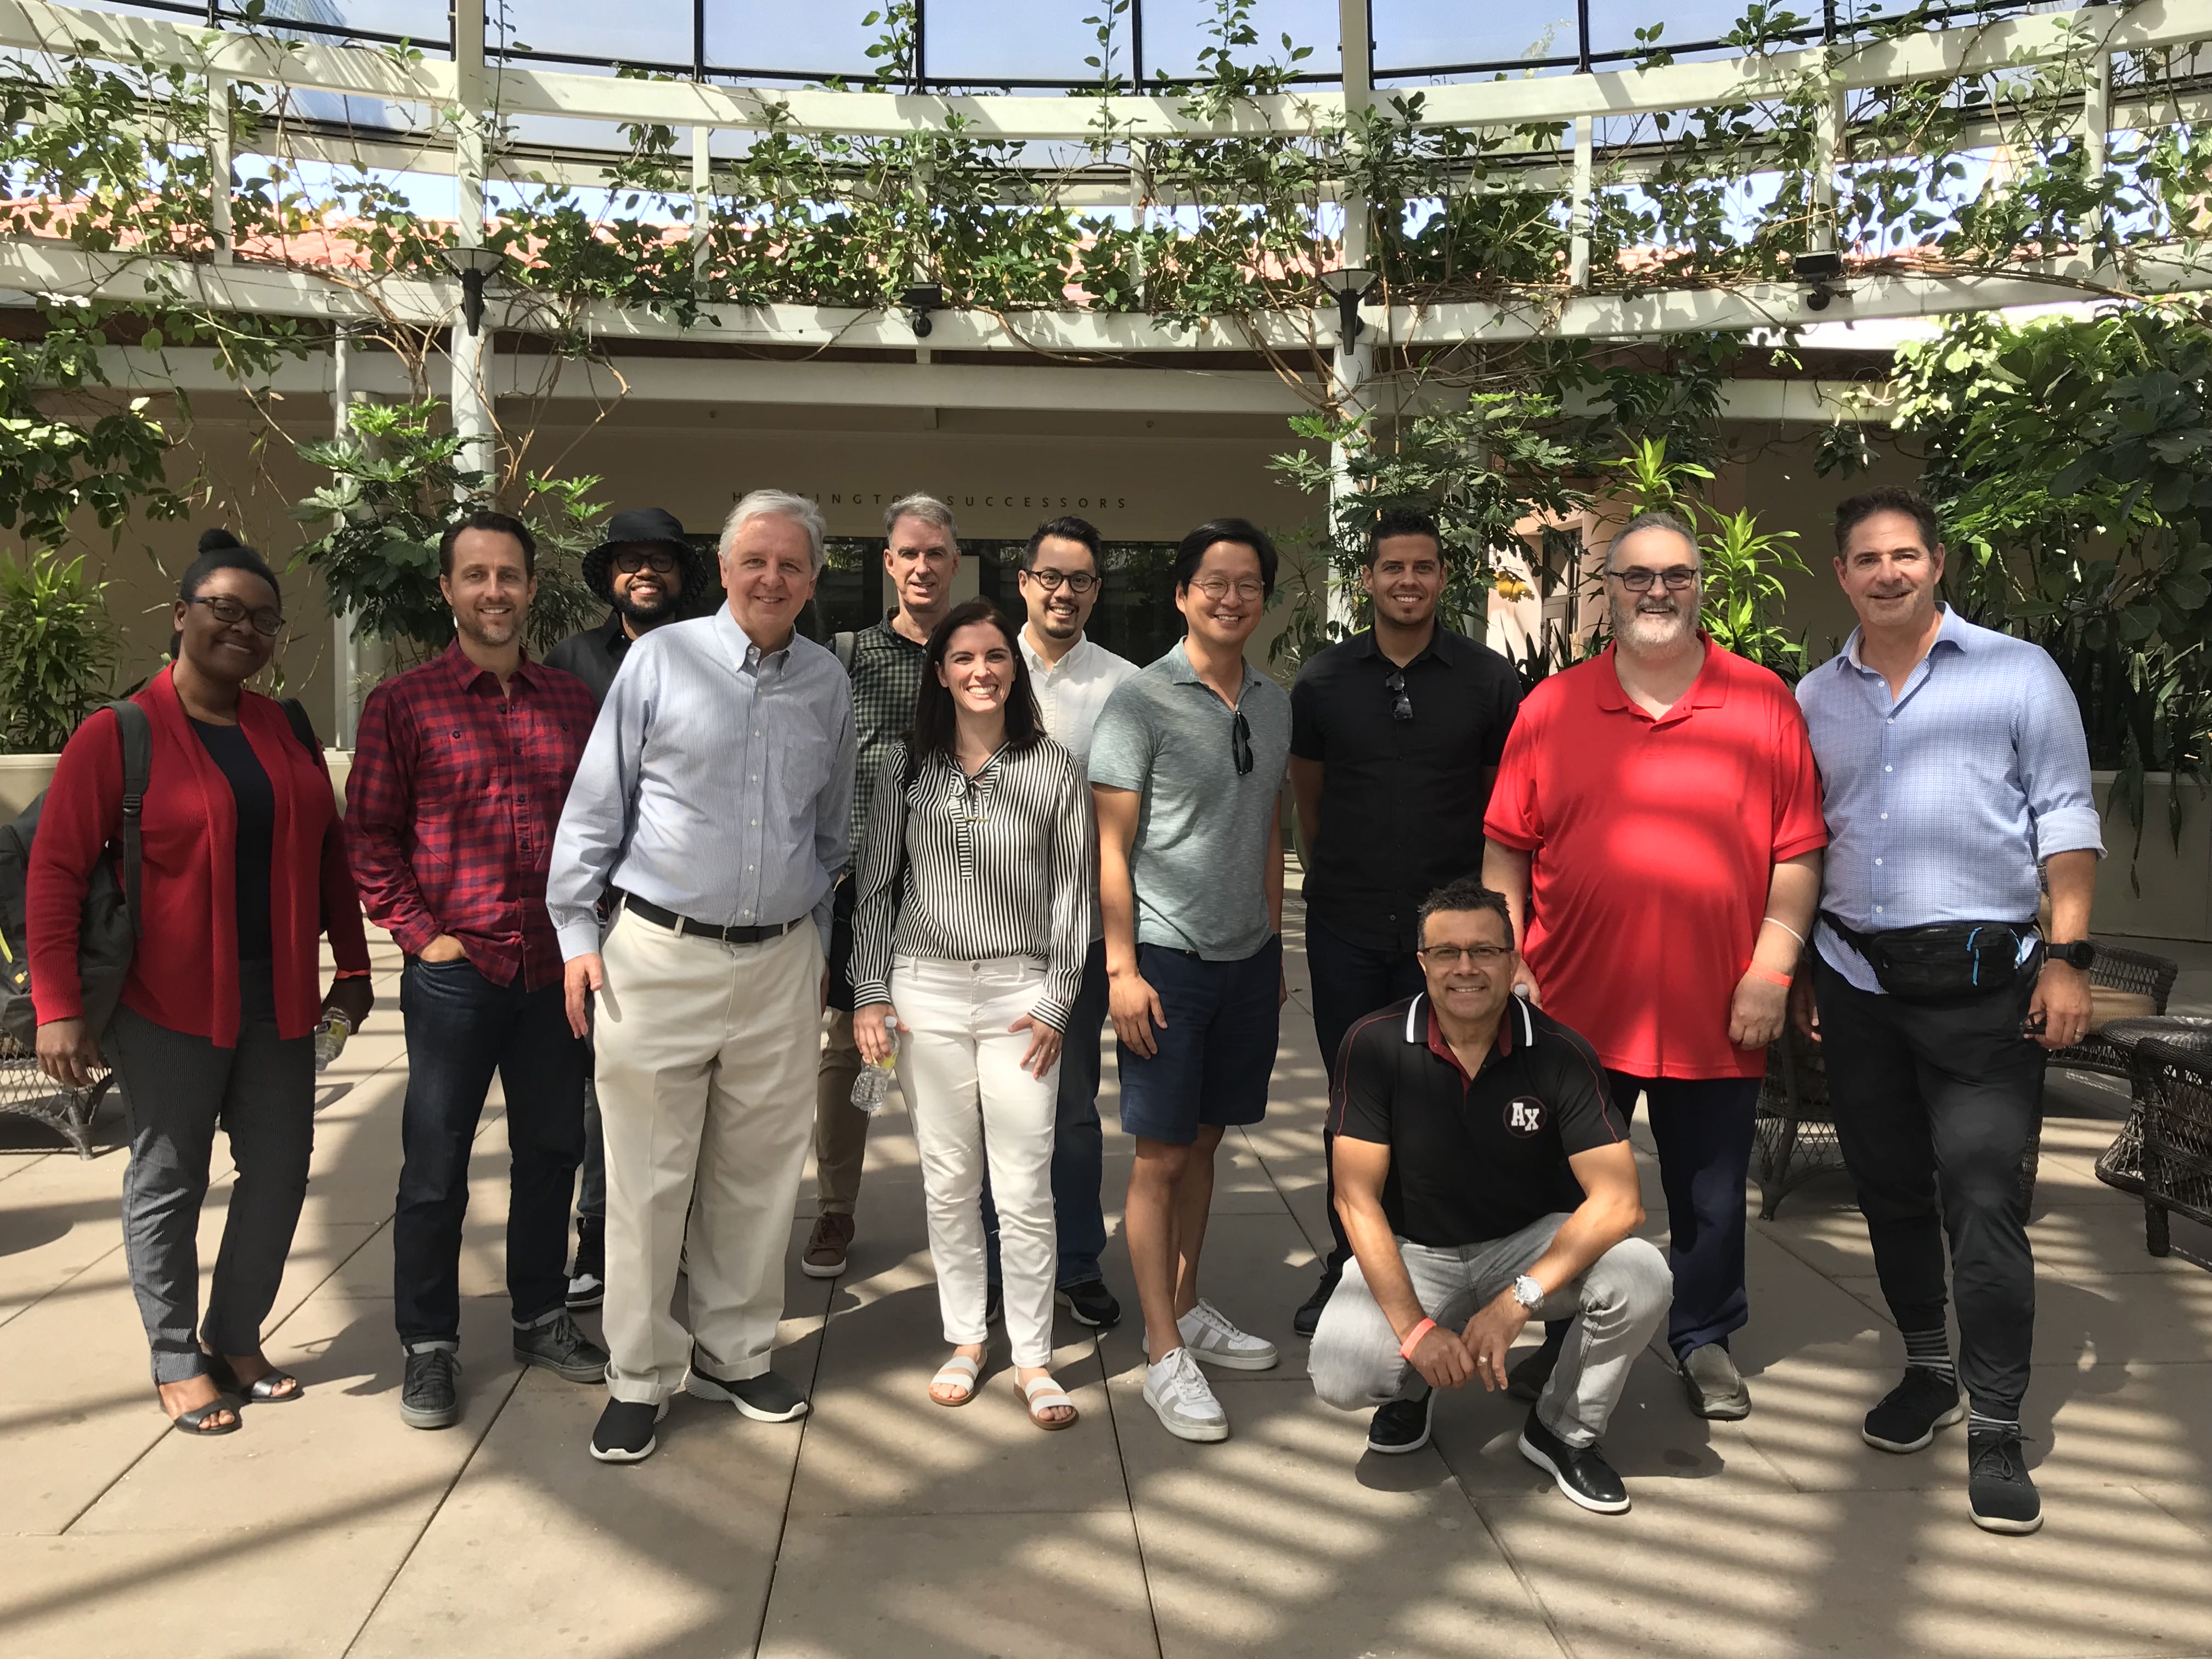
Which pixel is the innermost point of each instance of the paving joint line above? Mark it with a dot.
(791, 1491)
(1129, 1492)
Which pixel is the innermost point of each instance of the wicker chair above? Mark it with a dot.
(2173, 1090)
(1795, 1137)
(26, 1091)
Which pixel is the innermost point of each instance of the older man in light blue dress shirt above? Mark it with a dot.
(714, 804)
(1954, 765)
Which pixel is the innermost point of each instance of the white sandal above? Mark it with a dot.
(961, 1370)
(1042, 1394)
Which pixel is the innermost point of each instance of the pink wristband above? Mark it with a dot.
(1758, 971)
(1413, 1338)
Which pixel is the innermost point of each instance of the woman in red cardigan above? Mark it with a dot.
(245, 866)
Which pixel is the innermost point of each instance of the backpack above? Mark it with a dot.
(843, 643)
(108, 936)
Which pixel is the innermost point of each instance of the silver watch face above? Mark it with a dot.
(1527, 1291)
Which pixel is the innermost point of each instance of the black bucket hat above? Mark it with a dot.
(647, 525)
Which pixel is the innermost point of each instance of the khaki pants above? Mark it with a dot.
(703, 1052)
(840, 1128)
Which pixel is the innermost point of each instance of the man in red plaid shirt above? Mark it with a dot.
(458, 776)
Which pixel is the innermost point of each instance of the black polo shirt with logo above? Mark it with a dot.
(1474, 1158)
(1401, 801)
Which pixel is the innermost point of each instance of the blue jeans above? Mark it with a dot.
(461, 1028)
(1079, 1155)
(1350, 981)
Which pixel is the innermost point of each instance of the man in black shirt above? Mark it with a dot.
(649, 574)
(1396, 734)
(1485, 1180)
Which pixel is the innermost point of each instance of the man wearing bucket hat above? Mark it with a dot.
(649, 575)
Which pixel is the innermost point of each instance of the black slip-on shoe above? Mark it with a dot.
(1999, 1494)
(1090, 1302)
(1584, 1476)
(430, 1392)
(1526, 1381)
(587, 1279)
(1910, 1413)
(765, 1399)
(560, 1347)
(1402, 1425)
(1307, 1320)
(1715, 1388)
(624, 1434)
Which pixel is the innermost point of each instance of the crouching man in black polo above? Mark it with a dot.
(1485, 1180)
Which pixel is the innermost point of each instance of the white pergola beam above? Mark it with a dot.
(33, 26)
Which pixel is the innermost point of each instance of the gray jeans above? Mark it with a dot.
(179, 1088)
(1618, 1301)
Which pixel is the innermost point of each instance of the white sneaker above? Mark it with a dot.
(1176, 1390)
(1210, 1336)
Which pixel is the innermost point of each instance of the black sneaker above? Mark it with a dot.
(1910, 1412)
(625, 1431)
(995, 1301)
(430, 1393)
(765, 1399)
(1999, 1494)
(588, 1280)
(1091, 1303)
(1307, 1320)
(1401, 1426)
(561, 1346)
(1526, 1379)
(1585, 1477)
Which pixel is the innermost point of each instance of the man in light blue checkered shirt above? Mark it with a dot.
(1954, 765)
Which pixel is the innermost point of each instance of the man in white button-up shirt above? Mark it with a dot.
(1073, 677)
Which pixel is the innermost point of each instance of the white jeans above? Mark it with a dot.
(961, 1071)
(705, 1057)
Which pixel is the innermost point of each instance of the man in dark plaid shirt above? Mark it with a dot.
(459, 772)
(921, 552)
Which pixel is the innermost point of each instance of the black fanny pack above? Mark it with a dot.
(1947, 959)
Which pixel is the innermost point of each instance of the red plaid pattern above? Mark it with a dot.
(451, 808)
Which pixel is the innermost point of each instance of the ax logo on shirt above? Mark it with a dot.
(1524, 1115)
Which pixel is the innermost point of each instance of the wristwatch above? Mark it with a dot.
(2080, 954)
(1528, 1292)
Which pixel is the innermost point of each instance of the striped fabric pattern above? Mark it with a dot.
(961, 869)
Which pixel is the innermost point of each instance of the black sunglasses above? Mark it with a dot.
(631, 560)
(1395, 685)
(1240, 742)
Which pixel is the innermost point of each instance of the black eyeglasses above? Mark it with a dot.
(1240, 742)
(1078, 581)
(1395, 685)
(267, 620)
(632, 560)
(1636, 580)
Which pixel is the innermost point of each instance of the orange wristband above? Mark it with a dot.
(1413, 1338)
(1758, 971)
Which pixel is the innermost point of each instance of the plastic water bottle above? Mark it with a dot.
(874, 1082)
(330, 1034)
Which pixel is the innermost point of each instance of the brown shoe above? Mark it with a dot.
(824, 1255)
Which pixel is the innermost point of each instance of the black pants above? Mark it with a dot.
(461, 1029)
(179, 1088)
(1349, 979)
(1934, 1104)
(1703, 1128)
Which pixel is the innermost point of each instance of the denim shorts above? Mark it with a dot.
(1218, 1050)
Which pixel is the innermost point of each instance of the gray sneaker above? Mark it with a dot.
(1714, 1389)
(430, 1392)
(561, 1346)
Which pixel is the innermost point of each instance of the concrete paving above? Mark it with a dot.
(886, 1525)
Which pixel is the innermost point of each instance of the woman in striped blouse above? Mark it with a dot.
(973, 918)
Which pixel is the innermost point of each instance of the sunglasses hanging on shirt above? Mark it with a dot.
(1395, 685)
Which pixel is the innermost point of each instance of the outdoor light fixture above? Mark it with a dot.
(1817, 271)
(475, 266)
(1351, 286)
(918, 301)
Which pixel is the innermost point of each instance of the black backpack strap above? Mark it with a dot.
(137, 734)
(303, 728)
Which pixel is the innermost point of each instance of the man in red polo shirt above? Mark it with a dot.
(1657, 828)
